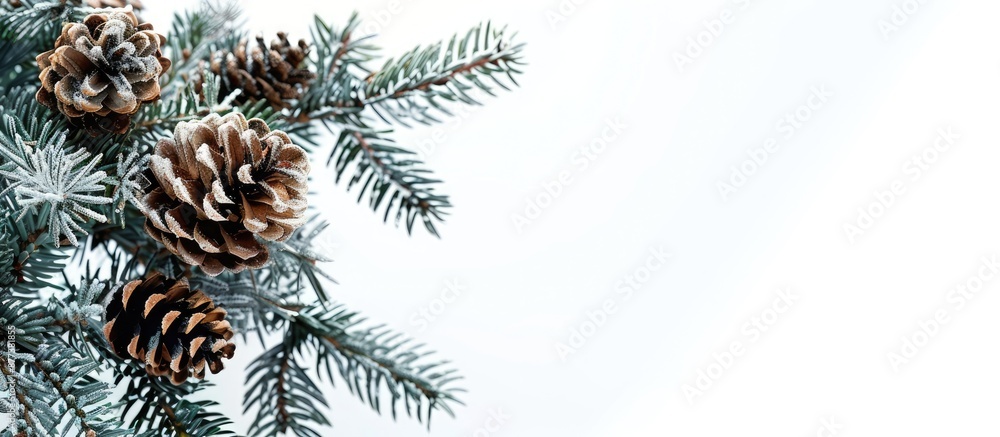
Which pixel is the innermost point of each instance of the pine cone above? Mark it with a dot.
(274, 73)
(102, 70)
(174, 330)
(220, 182)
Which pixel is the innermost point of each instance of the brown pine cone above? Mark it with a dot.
(217, 184)
(174, 330)
(274, 73)
(102, 70)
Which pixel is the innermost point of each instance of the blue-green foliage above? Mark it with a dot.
(70, 201)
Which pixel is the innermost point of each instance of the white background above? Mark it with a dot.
(827, 358)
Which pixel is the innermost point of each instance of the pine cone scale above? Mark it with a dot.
(168, 320)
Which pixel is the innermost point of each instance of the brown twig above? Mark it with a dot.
(177, 424)
(282, 405)
(81, 414)
(20, 396)
(18, 267)
(370, 153)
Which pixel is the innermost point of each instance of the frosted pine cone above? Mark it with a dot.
(174, 330)
(102, 70)
(274, 73)
(219, 183)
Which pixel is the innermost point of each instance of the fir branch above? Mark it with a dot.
(16, 58)
(369, 358)
(79, 315)
(32, 118)
(78, 396)
(247, 303)
(393, 181)
(338, 58)
(55, 385)
(145, 397)
(410, 86)
(24, 407)
(283, 394)
(194, 35)
(37, 22)
(33, 260)
(128, 183)
(60, 186)
(295, 263)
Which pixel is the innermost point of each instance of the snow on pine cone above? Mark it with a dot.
(102, 70)
(174, 330)
(218, 184)
(262, 72)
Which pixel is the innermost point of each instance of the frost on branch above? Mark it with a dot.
(62, 187)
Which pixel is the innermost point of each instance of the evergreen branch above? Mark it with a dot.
(27, 253)
(24, 408)
(193, 37)
(33, 119)
(157, 407)
(295, 262)
(61, 186)
(245, 302)
(128, 183)
(409, 87)
(79, 397)
(337, 56)
(177, 424)
(79, 314)
(16, 58)
(391, 178)
(37, 23)
(368, 358)
(54, 384)
(285, 397)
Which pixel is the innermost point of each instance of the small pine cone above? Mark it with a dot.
(220, 182)
(102, 70)
(174, 330)
(274, 73)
